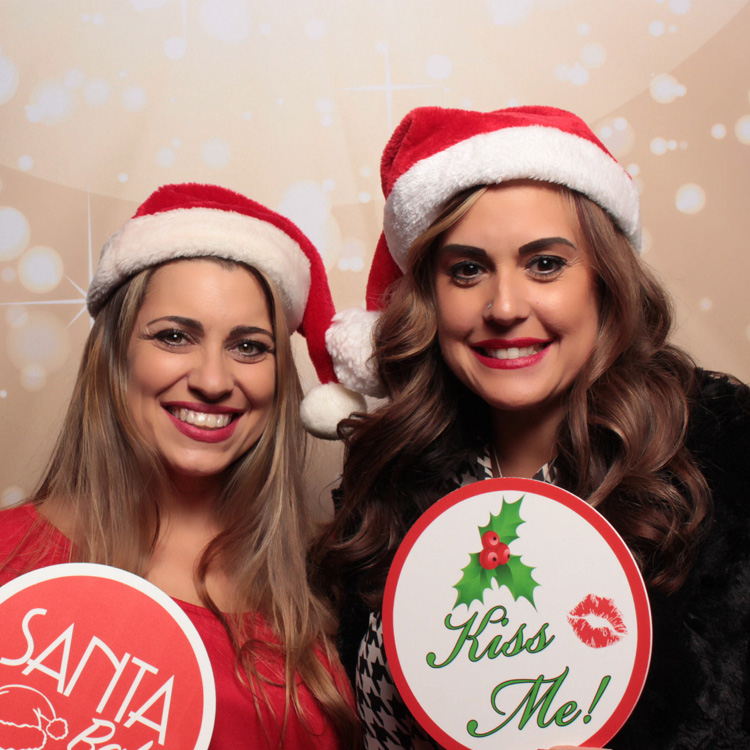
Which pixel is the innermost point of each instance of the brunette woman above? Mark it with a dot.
(518, 333)
(180, 457)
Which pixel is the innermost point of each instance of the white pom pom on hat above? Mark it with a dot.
(436, 153)
(192, 220)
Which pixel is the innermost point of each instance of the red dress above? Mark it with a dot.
(238, 721)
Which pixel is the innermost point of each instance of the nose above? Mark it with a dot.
(211, 376)
(508, 302)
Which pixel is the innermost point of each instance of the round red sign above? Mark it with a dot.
(92, 656)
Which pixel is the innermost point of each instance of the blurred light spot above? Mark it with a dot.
(40, 344)
(672, 145)
(165, 157)
(593, 55)
(719, 131)
(176, 142)
(122, 177)
(307, 205)
(742, 129)
(672, 29)
(633, 170)
(509, 12)
(578, 75)
(352, 256)
(438, 67)
(364, 197)
(315, 28)
(216, 153)
(365, 171)
(690, 198)
(51, 102)
(175, 48)
(265, 28)
(324, 106)
(680, 7)
(96, 92)
(658, 146)
(8, 79)
(706, 304)
(3, 393)
(40, 269)
(12, 496)
(134, 99)
(227, 20)
(665, 88)
(326, 121)
(25, 163)
(656, 28)
(14, 233)
(97, 19)
(583, 29)
(33, 378)
(617, 135)
(247, 115)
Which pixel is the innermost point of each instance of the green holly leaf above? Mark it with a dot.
(515, 575)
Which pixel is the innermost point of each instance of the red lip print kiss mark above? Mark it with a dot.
(597, 622)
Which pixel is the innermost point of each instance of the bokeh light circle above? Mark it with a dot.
(690, 198)
(14, 233)
(40, 269)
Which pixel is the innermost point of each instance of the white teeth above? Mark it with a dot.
(202, 419)
(514, 352)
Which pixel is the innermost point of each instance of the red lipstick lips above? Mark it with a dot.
(597, 622)
(201, 434)
(481, 350)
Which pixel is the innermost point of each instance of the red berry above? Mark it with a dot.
(490, 540)
(503, 553)
(489, 559)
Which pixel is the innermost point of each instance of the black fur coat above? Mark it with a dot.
(697, 696)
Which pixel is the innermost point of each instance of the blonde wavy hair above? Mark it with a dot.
(108, 482)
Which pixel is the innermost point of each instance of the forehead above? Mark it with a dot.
(517, 212)
(205, 289)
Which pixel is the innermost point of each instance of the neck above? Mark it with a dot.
(525, 440)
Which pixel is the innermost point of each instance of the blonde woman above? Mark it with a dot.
(180, 455)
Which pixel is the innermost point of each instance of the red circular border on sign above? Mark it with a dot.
(605, 530)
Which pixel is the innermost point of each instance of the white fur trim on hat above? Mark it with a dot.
(529, 152)
(349, 342)
(326, 405)
(198, 232)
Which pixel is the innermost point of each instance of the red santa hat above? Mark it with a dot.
(436, 153)
(193, 221)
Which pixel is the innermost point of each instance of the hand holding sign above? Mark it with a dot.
(548, 641)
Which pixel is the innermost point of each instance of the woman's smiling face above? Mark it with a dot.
(517, 307)
(202, 370)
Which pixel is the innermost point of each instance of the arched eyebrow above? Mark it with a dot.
(544, 242)
(530, 247)
(195, 326)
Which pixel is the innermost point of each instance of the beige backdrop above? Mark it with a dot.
(291, 102)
